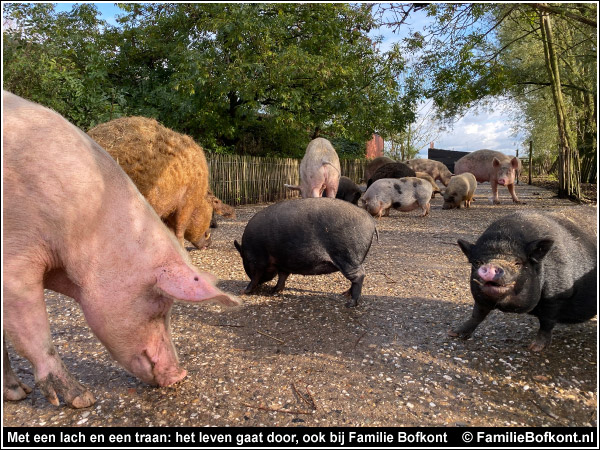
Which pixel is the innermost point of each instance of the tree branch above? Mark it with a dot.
(562, 12)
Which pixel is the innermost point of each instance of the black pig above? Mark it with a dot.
(391, 170)
(311, 236)
(541, 264)
(348, 191)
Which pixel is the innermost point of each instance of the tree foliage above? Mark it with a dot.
(251, 78)
(473, 53)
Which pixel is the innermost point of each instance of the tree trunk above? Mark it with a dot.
(569, 166)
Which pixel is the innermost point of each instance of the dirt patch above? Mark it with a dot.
(302, 358)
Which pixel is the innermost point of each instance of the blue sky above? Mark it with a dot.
(491, 128)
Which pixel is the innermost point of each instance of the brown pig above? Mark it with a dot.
(436, 169)
(429, 178)
(168, 168)
(375, 164)
(460, 191)
(492, 166)
(319, 170)
(76, 224)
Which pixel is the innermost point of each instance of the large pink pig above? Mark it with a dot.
(319, 170)
(76, 224)
(492, 166)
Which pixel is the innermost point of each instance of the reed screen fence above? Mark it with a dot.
(239, 180)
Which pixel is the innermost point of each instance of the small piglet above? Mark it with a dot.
(404, 194)
(310, 236)
(460, 190)
(492, 166)
(541, 264)
(76, 224)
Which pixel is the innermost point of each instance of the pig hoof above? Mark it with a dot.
(537, 346)
(352, 304)
(459, 334)
(83, 400)
(74, 393)
(16, 392)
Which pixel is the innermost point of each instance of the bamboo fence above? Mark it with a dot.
(239, 180)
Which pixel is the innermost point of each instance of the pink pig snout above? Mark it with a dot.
(161, 371)
(490, 272)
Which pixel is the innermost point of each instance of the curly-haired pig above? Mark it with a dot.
(460, 191)
(391, 170)
(436, 169)
(311, 236)
(319, 170)
(543, 264)
(404, 194)
(492, 166)
(375, 164)
(76, 224)
(169, 169)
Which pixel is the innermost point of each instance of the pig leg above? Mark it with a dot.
(494, 185)
(26, 325)
(513, 194)
(183, 215)
(544, 335)
(425, 209)
(13, 389)
(467, 328)
(356, 276)
(281, 278)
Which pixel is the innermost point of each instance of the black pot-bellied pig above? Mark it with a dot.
(391, 170)
(311, 236)
(319, 170)
(76, 224)
(492, 166)
(348, 191)
(541, 264)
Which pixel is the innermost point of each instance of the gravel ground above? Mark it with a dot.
(302, 358)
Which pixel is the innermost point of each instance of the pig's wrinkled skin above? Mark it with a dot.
(541, 264)
(308, 237)
(404, 194)
(460, 191)
(436, 169)
(492, 166)
(76, 224)
(430, 180)
(319, 170)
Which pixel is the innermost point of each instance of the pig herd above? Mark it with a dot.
(102, 218)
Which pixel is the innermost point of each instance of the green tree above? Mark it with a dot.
(59, 60)
(472, 53)
(231, 71)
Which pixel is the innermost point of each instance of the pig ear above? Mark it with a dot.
(536, 250)
(184, 284)
(514, 163)
(496, 162)
(466, 247)
(238, 246)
